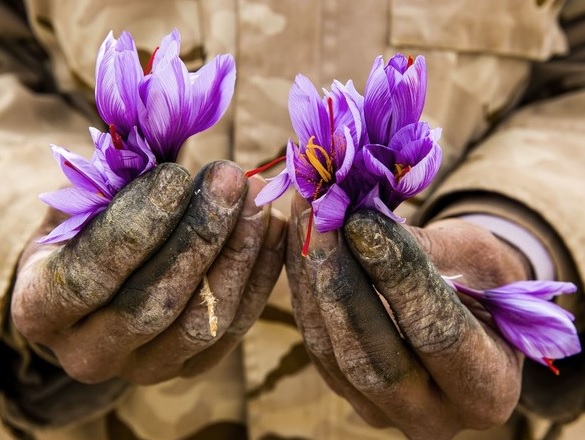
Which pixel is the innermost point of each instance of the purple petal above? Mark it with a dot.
(170, 47)
(399, 63)
(303, 175)
(165, 108)
(139, 145)
(81, 172)
(103, 143)
(69, 228)
(545, 290)
(409, 95)
(528, 320)
(381, 207)
(378, 103)
(118, 73)
(404, 142)
(126, 164)
(212, 89)
(348, 156)
(274, 189)
(420, 175)
(345, 109)
(74, 201)
(377, 159)
(307, 113)
(539, 329)
(329, 210)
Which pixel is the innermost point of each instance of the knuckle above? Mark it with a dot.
(374, 378)
(72, 286)
(86, 369)
(430, 335)
(23, 321)
(196, 333)
(145, 310)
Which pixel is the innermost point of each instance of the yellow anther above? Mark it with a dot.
(311, 154)
(401, 170)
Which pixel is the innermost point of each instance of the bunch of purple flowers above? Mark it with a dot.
(149, 114)
(356, 152)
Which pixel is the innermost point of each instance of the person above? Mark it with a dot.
(110, 337)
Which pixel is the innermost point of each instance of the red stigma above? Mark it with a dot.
(549, 364)
(148, 68)
(410, 61)
(116, 138)
(264, 167)
(305, 249)
(331, 125)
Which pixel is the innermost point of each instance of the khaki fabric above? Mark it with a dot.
(480, 55)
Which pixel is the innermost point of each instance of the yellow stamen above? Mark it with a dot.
(311, 154)
(401, 171)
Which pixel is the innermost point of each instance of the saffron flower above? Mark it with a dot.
(175, 104)
(95, 182)
(150, 114)
(118, 73)
(328, 130)
(357, 152)
(166, 102)
(529, 320)
(402, 152)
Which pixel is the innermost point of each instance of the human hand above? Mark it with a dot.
(430, 363)
(133, 295)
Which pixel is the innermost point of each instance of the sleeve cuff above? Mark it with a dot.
(519, 237)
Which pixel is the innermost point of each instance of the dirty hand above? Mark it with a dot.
(389, 335)
(164, 283)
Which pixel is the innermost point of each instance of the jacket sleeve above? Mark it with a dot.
(530, 171)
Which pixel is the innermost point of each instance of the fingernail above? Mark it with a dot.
(366, 237)
(255, 184)
(170, 188)
(224, 183)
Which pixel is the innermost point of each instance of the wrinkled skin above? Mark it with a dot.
(124, 298)
(435, 367)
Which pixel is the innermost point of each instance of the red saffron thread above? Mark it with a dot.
(148, 68)
(410, 61)
(116, 138)
(305, 250)
(549, 363)
(264, 167)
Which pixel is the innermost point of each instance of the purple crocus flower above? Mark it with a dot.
(328, 129)
(175, 104)
(402, 151)
(121, 162)
(529, 320)
(88, 197)
(394, 96)
(167, 103)
(118, 73)
(149, 118)
(96, 181)
(407, 166)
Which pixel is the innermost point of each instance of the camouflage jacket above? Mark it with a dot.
(481, 55)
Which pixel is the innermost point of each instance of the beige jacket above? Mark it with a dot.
(480, 55)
